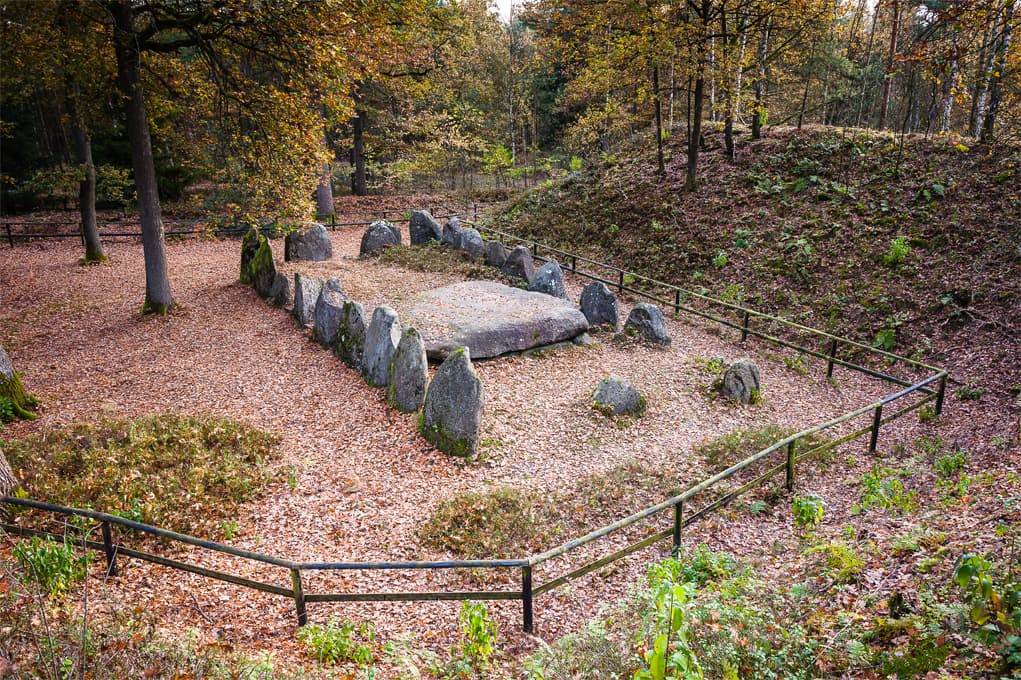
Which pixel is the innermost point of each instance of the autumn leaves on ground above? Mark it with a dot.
(865, 570)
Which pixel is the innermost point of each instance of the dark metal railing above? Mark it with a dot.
(791, 450)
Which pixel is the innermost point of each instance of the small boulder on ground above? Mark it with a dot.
(423, 228)
(409, 373)
(349, 345)
(380, 234)
(615, 396)
(310, 242)
(741, 382)
(280, 292)
(306, 292)
(549, 279)
(328, 310)
(452, 417)
(452, 233)
(381, 338)
(519, 263)
(648, 323)
(496, 254)
(471, 242)
(263, 268)
(599, 305)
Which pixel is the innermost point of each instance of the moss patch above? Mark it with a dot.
(14, 392)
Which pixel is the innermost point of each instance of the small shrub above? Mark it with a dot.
(720, 261)
(841, 560)
(735, 446)
(882, 487)
(6, 410)
(949, 465)
(970, 392)
(497, 523)
(995, 606)
(339, 642)
(808, 511)
(175, 471)
(476, 648)
(55, 566)
(899, 250)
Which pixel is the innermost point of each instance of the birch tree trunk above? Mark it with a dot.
(996, 81)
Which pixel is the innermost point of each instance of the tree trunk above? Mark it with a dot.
(996, 81)
(7, 482)
(660, 165)
(948, 97)
(12, 390)
(324, 193)
(696, 133)
(982, 73)
(888, 80)
(87, 183)
(759, 116)
(158, 298)
(358, 184)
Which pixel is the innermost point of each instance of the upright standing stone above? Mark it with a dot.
(280, 292)
(381, 340)
(310, 242)
(549, 279)
(741, 381)
(519, 263)
(306, 292)
(380, 234)
(647, 321)
(263, 268)
(249, 245)
(329, 308)
(350, 342)
(452, 233)
(496, 254)
(599, 305)
(423, 228)
(471, 242)
(409, 373)
(452, 417)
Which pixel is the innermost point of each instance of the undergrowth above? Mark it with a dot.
(179, 472)
(733, 447)
(504, 522)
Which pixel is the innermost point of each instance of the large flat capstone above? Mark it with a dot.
(491, 319)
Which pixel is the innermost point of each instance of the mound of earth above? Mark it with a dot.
(491, 319)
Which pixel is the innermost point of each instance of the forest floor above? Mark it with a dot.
(357, 481)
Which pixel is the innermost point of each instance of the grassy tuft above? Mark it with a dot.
(735, 446)
(178, 472)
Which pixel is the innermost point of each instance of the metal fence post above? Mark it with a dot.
(876, 421)
(620, 281)
(299, 597)
(833, 353)
(574, 264)
(790, 466)
(941, 393)
(678, 527)
(109, 549)
(10, 236)
(677, 300)
(744, 329)
(526, 599)
(535, 248)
